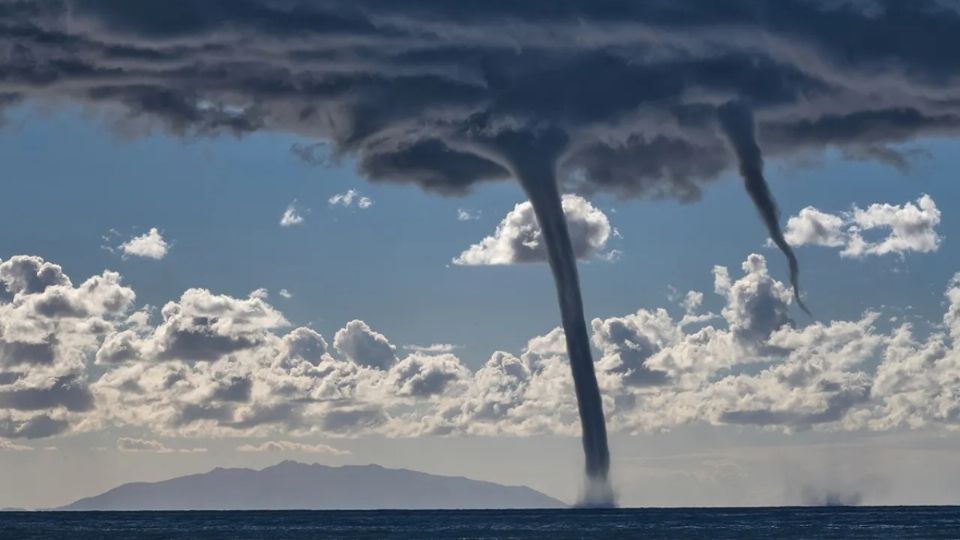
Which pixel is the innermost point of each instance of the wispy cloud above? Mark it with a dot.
(130, 444)
(12, 446)
(435, 348)
(291, 446)
(291, 216)
(464, 214)
(351, 199)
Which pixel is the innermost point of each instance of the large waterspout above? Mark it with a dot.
(533, 161)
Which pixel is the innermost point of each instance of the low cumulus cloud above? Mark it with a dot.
(292, 215)
(518, 238)
(150, 245)
(364, 346)
(130, 444)
(214, 365)
(351, 199)
(12, 446)
(424, 375)
(292, 446)
(49, 329)
(879, 229)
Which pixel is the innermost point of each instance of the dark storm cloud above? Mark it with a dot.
(433, 165)
(406, 87)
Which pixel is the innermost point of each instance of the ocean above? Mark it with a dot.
(927, 522)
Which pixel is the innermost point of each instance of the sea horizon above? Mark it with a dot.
(694, 523)
(569, 507)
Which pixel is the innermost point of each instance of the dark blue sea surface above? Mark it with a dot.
(740, 523)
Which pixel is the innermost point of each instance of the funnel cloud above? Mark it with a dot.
(737, 122)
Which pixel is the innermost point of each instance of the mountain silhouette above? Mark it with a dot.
(290, 485)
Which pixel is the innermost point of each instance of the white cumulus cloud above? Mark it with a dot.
(813, 227)
(74, 358)
(291, 216)
(49, 329)
(150, 245)
(879, 229)
(365, 346)
(518, 238)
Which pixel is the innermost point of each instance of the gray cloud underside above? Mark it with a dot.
(410, 88)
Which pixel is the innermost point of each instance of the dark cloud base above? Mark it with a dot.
(408, 87)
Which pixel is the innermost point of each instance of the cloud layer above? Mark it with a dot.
(76, 358)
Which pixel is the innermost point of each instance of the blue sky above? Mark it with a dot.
(70, 178)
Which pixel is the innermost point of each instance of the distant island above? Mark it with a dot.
(294, 486)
